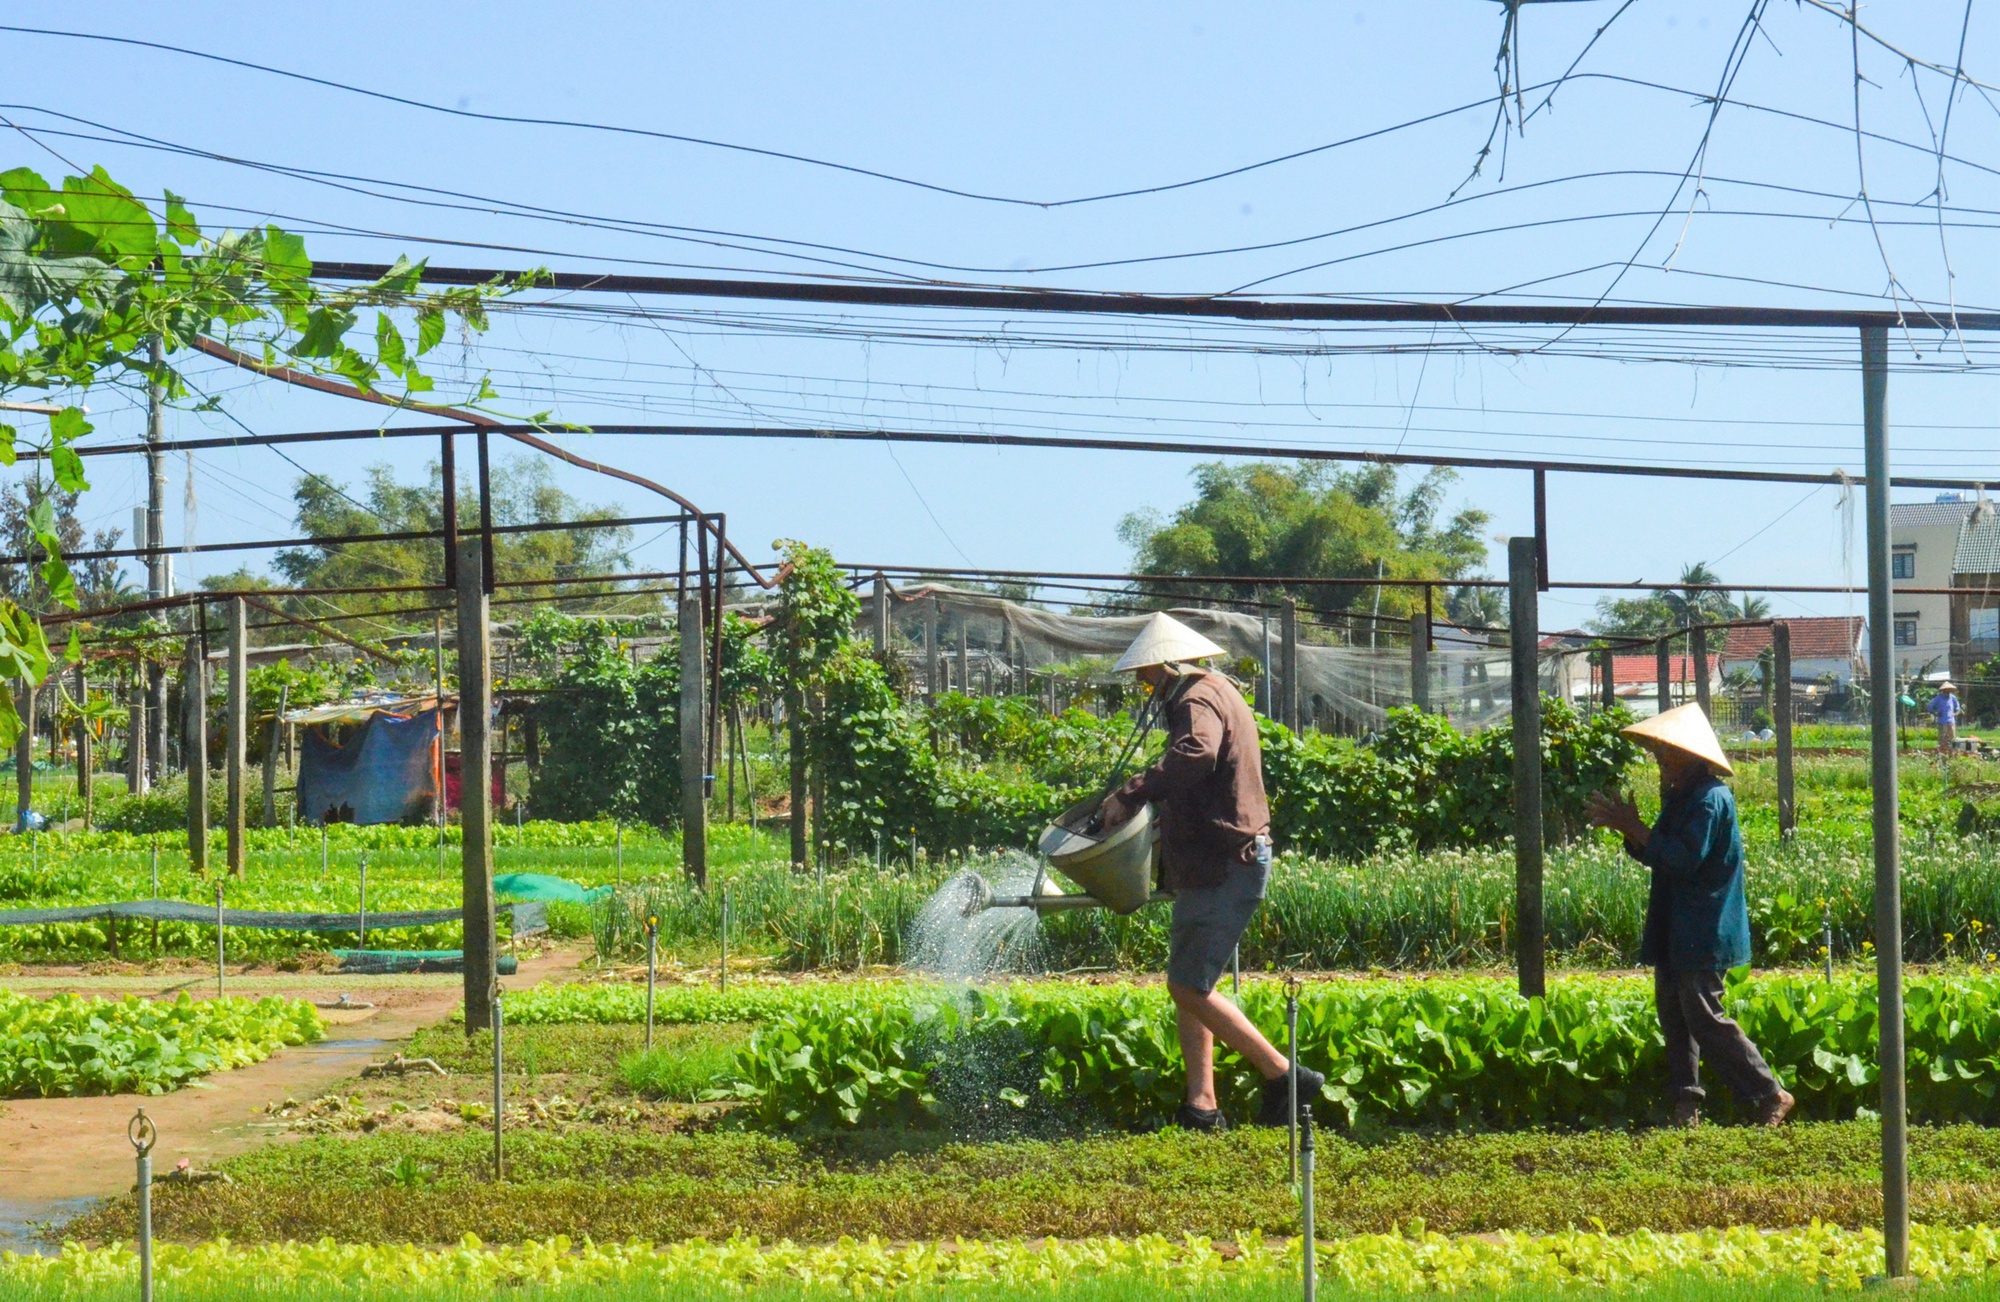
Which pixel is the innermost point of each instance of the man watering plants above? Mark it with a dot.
(1215, 854)
(1697, 925)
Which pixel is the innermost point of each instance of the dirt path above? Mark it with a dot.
(56, 1151)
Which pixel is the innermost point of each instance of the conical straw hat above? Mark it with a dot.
(1165, 640)
(1685, 729)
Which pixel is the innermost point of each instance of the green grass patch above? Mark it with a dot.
(612, 1185)
(686, 1062)
(531, 1051)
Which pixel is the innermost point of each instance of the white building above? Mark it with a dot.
(1923, 543)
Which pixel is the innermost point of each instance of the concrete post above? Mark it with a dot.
(194, 751)
(931, 687)
(239, 726)
(1882, 780)
(475, 784)
(1698, 659)
(1523, 620)
(1781, 724)
(694, 795)
(881, 613)
(1420, 661)
(964, 660)
(1288, 664)
(137, 773)
(1608, 685)
(1266, 698)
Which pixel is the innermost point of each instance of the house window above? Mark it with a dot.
(1906, 629)
(1903, 563)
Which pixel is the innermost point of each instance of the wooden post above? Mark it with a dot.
(1886, 798)
(795, 750)
(1420, 661)
(1781, 724)
(693, 718)
(239, 727)
(1288, 664)
(1609, 684)
(271, 757)
(1698, 658)
(84, 776)
(1522, 573)
(24, 753)
(475, 784)
(1663, 669)
(194, 751)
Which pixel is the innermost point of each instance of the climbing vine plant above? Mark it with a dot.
(91, 276)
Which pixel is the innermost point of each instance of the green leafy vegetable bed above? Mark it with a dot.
(1448, 1051)
(65, 1045)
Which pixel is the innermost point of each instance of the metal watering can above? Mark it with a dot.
(1113, 870)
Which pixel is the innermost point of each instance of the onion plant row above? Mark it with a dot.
(1365, 1265)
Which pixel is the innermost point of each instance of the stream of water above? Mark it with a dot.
(949, 941)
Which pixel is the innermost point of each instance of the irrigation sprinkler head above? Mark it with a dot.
(141, 1131)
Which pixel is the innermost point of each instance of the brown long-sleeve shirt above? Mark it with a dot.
(1208, 786)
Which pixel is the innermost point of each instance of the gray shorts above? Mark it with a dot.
(1209, 921)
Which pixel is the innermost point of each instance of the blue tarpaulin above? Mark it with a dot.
(383, 771)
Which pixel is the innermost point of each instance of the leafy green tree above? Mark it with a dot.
(524, 492)
(1273, 522)
(98, 583)
(1692, 601)
(610, 736)
(91, 279)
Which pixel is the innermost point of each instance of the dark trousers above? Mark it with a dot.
(1692, 1019)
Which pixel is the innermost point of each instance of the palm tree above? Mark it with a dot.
(1696, 601)
(1753, 608)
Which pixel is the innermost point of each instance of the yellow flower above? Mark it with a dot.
(1977, 926)
(1989, 956)
(1948, 938)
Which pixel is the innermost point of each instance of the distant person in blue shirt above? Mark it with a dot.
(1945, 706)
(1697, 924)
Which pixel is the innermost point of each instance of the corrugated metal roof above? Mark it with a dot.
(1925, 515)
(1978, 549)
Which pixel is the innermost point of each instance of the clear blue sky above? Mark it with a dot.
(1046, 102)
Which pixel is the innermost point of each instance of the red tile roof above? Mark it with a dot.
(1630, 671)
(1834, 637)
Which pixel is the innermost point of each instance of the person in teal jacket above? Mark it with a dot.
(1697, 923)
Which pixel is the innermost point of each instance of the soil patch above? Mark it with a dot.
(57, 1149)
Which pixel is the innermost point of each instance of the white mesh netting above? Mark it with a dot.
(989, 644)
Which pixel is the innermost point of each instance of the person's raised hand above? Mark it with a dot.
(1617, 813)
(1113, 812)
